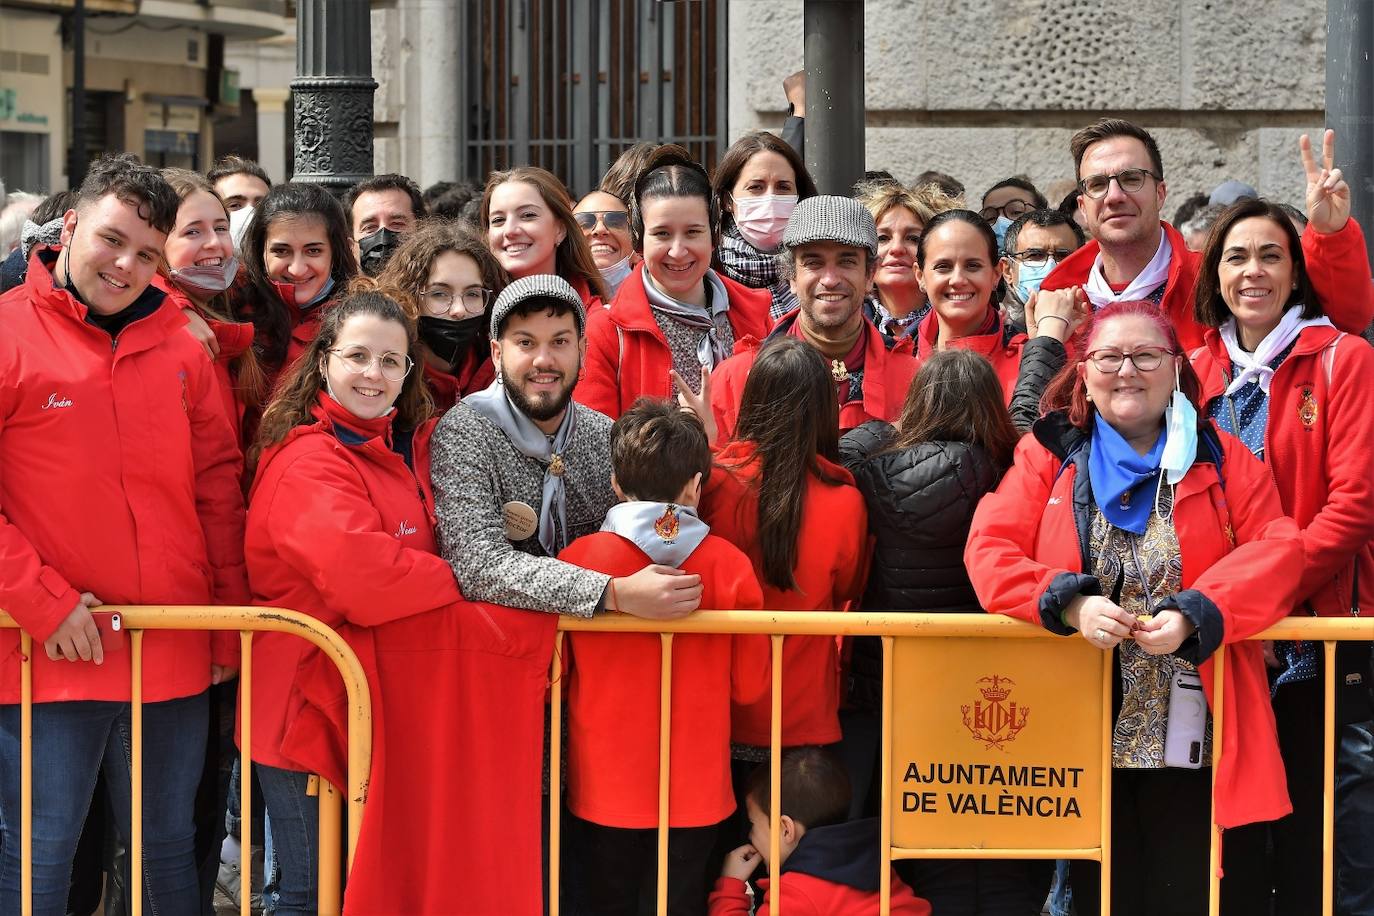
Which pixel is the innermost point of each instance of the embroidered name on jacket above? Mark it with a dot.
(56, 401)
(404, 529)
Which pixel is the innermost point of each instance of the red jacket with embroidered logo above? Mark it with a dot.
(627, 354)
(1026, 536)
(613, 697)
(1337, 264)
(120, 478)
(1003, 353)
(234, 339)
(1319, 447)
(832, 553)
(339, 529)
(887, 375)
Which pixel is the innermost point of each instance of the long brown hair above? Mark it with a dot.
(573, 257)
(300, 386)
(746, 148)
(956, 397)
(1068, 392)
(790, 413)
(250, 381)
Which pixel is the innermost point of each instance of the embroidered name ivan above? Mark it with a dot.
(55, 401)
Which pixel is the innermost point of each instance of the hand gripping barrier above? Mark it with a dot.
(247, 621)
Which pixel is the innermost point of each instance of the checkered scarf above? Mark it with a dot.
(743, 263)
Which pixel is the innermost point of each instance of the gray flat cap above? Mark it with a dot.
(537, 286)
(827, 218)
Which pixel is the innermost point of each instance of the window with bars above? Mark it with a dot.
(569, 84)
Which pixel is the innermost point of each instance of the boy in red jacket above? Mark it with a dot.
(829, 867)
(659, 457)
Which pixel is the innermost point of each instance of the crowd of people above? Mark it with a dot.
(435, 420)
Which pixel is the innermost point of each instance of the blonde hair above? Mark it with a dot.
(925, 201)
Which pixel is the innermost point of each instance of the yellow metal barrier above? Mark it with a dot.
(889, 626)
(247, 621)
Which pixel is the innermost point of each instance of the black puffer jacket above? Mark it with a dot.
(920, 506)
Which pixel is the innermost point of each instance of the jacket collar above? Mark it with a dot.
(1074, 270)
(987, 343)
(844, 854)
(349, 428)
(630, 307)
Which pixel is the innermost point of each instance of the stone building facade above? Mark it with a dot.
(986, 89)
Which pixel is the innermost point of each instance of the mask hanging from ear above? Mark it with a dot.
(1180, 443)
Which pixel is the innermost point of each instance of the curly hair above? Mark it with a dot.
(406, 274)
(141, 186)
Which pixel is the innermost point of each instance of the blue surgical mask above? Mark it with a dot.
(616, 274)
(999, 228)
(1029, 277)
(1180, 444)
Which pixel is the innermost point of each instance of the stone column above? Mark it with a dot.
(332, 92)
(272, 131)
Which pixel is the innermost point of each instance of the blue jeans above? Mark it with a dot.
(291, 885)
(1061, 892)
(1355, 820)
(72, 743)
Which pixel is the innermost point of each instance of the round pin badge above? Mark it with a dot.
(520, 520)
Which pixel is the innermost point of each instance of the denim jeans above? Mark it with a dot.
(72, 743)
(293, 840)
(1061, 892)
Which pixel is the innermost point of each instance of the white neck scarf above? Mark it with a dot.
(666, 532)
(1255, 366)
(1146, 282)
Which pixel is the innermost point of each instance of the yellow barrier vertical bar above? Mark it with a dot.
(26, 774)
(665, 727)
(245, 772)
(1329, 780)
(136, 776)
(331, 829)
(1108, 724)
(885, 820)
(555, 768)
(1218, 716)
(775, 779)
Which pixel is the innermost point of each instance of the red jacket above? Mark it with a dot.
(234, 339)
(808, 895)
(1024, 559)
(120, 479)
(830, 572)
(340, 530)
(1319, 447)
(887, 375)
(627, 354)
(613, 697)
(475, 373)
(1337, 264)
(1002, 351)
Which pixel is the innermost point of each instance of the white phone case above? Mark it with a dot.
(1187, 725)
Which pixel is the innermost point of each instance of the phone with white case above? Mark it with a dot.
(1187, 726)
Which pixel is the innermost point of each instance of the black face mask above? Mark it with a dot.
(376, 249)
(447, 338)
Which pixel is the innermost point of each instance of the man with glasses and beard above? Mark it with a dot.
(520, 471)
(1133, 255)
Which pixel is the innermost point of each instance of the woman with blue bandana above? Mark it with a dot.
(1127, 521)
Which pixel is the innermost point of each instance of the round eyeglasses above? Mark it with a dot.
(439, 300)
(1011, 210)
(393, 366)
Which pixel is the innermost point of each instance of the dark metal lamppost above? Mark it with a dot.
(1350, 101)
(332, 92)
(834, 31)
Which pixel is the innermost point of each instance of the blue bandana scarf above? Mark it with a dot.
(1118, 474)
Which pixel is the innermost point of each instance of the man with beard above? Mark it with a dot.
(829, 253)
(520, 471)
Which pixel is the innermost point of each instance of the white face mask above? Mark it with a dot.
(238, 224)
(616, 273)
(761, 220)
